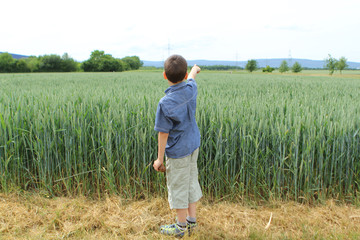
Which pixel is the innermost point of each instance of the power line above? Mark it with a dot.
(290, 58)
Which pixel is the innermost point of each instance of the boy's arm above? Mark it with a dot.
(162, 140)
(194, 71)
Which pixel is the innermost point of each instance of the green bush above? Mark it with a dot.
(268, 69)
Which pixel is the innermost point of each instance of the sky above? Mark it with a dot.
(211, 30)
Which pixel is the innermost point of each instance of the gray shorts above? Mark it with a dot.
(182, 181)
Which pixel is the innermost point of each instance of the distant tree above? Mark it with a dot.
(296, 67)
(33, 63)
(21, 66)
(68, 64)
(123, 66)
(268, 69)
(110, 64)
(133, 62)
(331, 64)
(90, 66)
(251, 65)
(7, 63)
(101, 62)
(46, 63)
(284, 66)
(94, 63)
(341, 64)
(126, 66)
(97, 55)
(50, 63)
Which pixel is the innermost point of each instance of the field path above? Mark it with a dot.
(31, 216)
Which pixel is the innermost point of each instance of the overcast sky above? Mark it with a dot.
(212, 30)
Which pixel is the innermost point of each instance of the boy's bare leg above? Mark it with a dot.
(192, 210)
(181, 214)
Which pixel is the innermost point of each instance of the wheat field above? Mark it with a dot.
(264, 136)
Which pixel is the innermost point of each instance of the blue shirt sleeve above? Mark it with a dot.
(192, 82)
(162, 122)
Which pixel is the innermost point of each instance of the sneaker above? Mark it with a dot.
(190, 227)
(173, 230)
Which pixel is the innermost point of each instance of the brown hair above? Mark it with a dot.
(175, 68)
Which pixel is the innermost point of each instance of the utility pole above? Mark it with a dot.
(290, 58)
(236, 63)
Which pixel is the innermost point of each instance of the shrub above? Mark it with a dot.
(268, 69)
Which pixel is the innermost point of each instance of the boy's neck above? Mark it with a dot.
(172, 84)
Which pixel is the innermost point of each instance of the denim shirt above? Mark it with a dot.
(175, 115)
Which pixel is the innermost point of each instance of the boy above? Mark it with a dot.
(179, 138)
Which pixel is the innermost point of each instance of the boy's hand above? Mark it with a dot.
(194, 71)
(158, 163)
(159, 166)
(196, 68)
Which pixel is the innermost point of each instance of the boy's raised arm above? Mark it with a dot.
(194, 71)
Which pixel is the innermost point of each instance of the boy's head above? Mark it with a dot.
(175, 68)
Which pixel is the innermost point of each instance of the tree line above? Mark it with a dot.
(332, 64)
(98, 62)
(284, 67)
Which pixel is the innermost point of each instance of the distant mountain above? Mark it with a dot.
(272, 62)
(17, 56)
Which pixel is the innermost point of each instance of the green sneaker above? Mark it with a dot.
(190, 227)
(172, 230)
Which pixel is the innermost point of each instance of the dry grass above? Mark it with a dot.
(31, 216)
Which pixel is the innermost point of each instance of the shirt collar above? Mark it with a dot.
(175, 87)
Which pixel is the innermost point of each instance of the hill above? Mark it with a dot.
(16, 56)
(272, 62)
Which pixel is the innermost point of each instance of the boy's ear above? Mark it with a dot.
(165, 75)
(186, 76)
